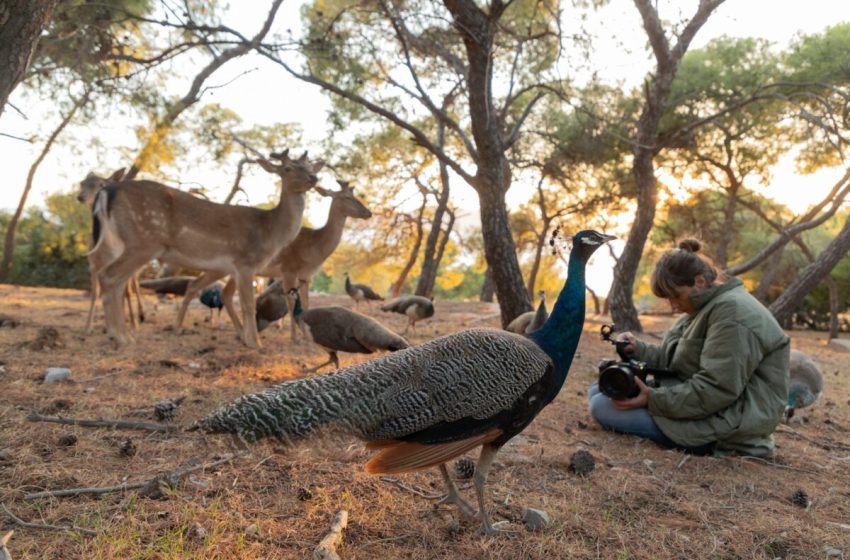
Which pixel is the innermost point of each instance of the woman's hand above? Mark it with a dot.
(630, 339)
(640, 401)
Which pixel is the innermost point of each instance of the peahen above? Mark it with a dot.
(211, 297)
(337, 329)
(806, 383)
(426, 405)
(415, 307)
(530, 321)
(360, 292)
(271, 306)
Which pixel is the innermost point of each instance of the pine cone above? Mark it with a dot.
(582, 462)
(800, 498)
(166, 409)
(464, 468)
(127, 448)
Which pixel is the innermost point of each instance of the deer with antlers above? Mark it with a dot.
(144, 220)
(89, 187)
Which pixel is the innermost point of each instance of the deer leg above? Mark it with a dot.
(244, 283)
(193, 289)
(129, 301)
(95, 293)
(113, 283)
(227, 299)
(134, 283)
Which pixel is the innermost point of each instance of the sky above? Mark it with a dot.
(262, 93)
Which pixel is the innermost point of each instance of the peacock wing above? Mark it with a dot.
(464, 379)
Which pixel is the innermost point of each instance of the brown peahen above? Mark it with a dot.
(530, 321)
(426, 405)
(337, 329)
(360, 292)
(415, 308)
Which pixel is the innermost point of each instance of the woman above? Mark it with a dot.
(729, 360)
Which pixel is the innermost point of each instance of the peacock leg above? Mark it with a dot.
(335, 359)
(320, 366)
(453, 496)
(488, 453)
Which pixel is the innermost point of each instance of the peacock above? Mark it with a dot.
(806, 383)
(428, 404)
(211, 297)
(271, 306)
(337, 329)
(169, 285)
(415, 307)
(360, 292)
(530, 321)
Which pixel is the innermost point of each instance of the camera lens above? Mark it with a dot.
(618, 383)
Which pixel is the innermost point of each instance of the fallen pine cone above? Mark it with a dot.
(464, 468)
(582, 462)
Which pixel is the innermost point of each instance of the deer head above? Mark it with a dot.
(92, 184)
(345, 202)
(297, 175)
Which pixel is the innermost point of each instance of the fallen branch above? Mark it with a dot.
(776, 465)
(326, 549)
(828, 444)
(101, 423)
(411, 489)
(152, 486)
(21, 523)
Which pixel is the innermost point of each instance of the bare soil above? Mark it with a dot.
(640, 501)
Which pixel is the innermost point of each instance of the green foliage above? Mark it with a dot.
(821, 57)
(52, 244)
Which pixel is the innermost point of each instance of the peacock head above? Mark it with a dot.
(587, 241)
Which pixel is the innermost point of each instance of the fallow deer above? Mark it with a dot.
(297, 263)
(89, 187)
(144, 220)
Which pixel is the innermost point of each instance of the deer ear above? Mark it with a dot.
(318, 165)
(282, 156)
(344, 185)
(303, 157)
(322, 191)
(117, 175)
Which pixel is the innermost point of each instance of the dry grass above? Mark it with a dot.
(640, 501)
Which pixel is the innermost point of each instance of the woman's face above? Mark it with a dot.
(682, 302)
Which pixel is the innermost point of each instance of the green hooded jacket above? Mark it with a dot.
(731, 372)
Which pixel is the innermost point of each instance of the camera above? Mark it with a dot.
(617, 377)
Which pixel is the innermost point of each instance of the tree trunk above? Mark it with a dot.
(9, 241)
(492, 179)
(623, 311)
(487, 289)
(21, 24)
(833, 307)
(774, 265)
(395, 290)
(428, 274)
(538, 257)
(721, 252)
(793, 296)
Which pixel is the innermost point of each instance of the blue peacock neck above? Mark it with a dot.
(559, 336)
(296, 307)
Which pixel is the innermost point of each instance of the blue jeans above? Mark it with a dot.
(636, 422)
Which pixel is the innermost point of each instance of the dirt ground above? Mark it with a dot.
(639, 502)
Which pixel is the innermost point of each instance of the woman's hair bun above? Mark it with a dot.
(691, 245)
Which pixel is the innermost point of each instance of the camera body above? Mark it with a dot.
(617, 378)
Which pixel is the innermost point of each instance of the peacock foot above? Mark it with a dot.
(462, 505)
(495, 529)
